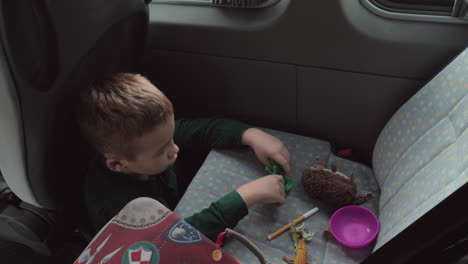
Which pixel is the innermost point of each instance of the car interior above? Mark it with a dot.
(377, 87)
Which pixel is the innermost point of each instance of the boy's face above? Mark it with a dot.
(156, 152)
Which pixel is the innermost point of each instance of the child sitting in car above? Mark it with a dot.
(130, 123)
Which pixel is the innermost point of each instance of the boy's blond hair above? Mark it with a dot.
(119, 108)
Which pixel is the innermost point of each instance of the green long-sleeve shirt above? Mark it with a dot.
(107, 192)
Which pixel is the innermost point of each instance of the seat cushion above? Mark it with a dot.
(421, 156)
(226, 170)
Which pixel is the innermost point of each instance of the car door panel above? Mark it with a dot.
(373, 63)
(261, 93)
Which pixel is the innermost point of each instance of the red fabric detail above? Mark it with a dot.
(136, 256)
(220, 238)
(345, 152)
(10, 197)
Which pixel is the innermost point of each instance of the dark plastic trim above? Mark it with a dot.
(246, 4)
(425, 233)
(412, 15)
(413, 8)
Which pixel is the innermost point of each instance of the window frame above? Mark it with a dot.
(211, 3)
(392, 6)
(416, 15)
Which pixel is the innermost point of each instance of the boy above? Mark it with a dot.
(131, 124)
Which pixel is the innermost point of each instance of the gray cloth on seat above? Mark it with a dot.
(420, 158)
(226, 170)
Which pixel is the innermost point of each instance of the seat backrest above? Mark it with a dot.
(52, 50)
(421, 156)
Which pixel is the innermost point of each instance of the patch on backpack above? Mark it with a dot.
(141, 253)
(183, 233)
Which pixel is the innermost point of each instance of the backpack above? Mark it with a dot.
(146, 232)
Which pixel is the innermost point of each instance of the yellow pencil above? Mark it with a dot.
(295, 222)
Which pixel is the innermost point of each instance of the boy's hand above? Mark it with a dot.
(266, 190)
(267, 146)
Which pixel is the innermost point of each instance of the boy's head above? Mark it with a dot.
(130, 122)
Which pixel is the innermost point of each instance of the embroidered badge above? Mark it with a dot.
(183, 233)
(141, 253)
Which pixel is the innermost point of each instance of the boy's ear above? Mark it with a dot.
(114, 163)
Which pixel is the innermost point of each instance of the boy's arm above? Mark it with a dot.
(224, 213)
(204, 134)
(208, 133)
(230, 209)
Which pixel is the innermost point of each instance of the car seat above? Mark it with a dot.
(419, 179)
(49, 51)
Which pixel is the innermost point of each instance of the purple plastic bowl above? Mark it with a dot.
(354, 226)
